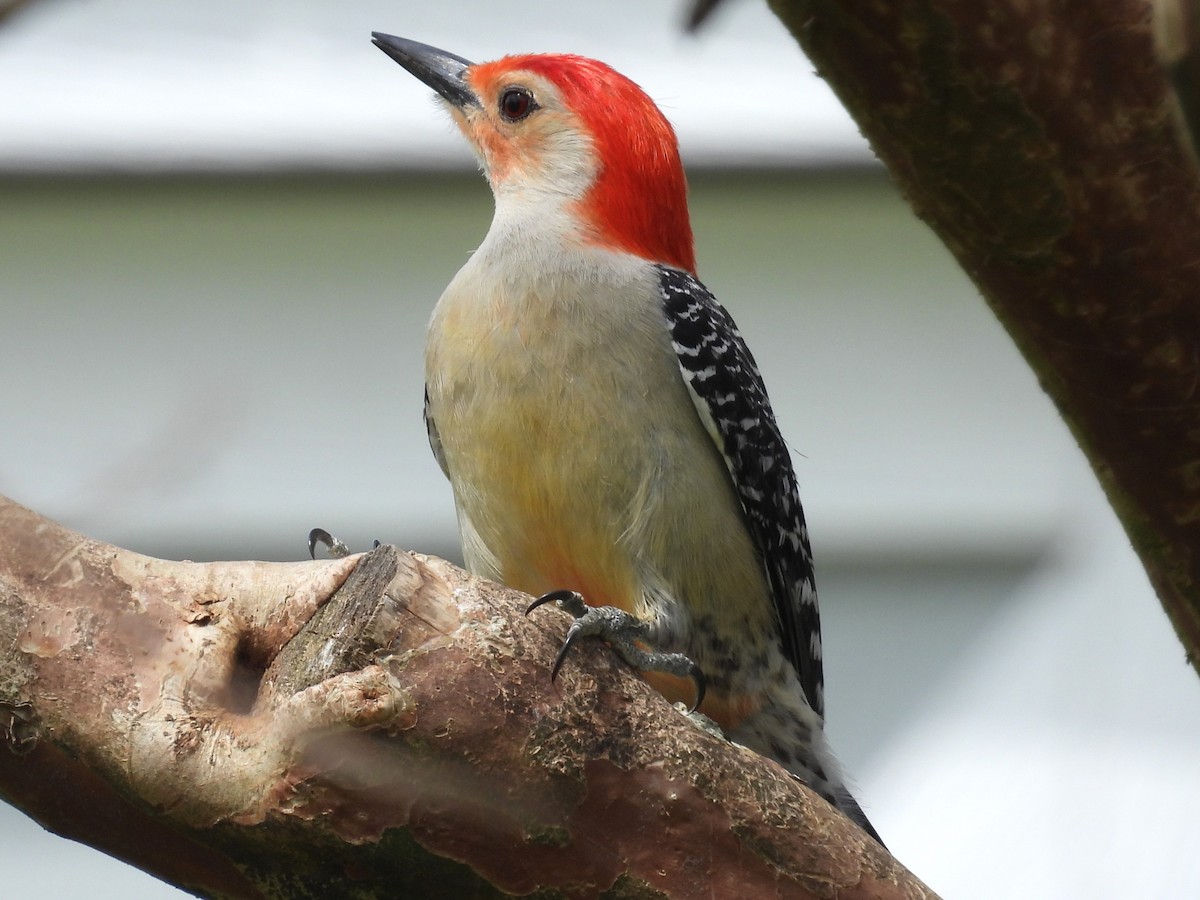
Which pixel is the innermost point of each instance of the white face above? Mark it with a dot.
(573, 150)
(526, 140)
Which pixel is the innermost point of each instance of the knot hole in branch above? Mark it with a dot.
(250, 662)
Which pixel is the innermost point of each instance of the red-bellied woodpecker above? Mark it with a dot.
(602, 423)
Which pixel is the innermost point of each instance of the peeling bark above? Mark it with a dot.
(381, 725)
(1037, 139)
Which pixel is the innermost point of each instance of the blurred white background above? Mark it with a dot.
(222, 228)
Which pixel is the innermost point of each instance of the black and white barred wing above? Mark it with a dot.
(731, 400)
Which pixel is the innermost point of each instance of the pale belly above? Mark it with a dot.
(578, 461)
(554, 486)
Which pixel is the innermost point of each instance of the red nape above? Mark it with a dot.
(639, 200)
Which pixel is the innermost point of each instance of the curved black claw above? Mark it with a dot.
(337, 548)
(572, 634)
(566, 599)
(701, 683)
(318, 536)
(572, 602)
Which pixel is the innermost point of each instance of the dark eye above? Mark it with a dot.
(516, 103)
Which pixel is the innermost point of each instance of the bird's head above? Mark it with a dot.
(566, 129)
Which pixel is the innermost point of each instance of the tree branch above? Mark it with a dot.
(1038, 142)
(373, 726)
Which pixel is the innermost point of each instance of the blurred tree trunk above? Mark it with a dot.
(1038, 140)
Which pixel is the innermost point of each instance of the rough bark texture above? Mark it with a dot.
(383, 725)
(1037, 139)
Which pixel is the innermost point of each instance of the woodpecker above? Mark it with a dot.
(601, 421)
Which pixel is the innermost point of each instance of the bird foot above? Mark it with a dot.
(625, 633)
(336, 547)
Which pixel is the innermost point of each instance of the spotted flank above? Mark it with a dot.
(731, 400)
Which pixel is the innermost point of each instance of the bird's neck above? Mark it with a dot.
(539, 233)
